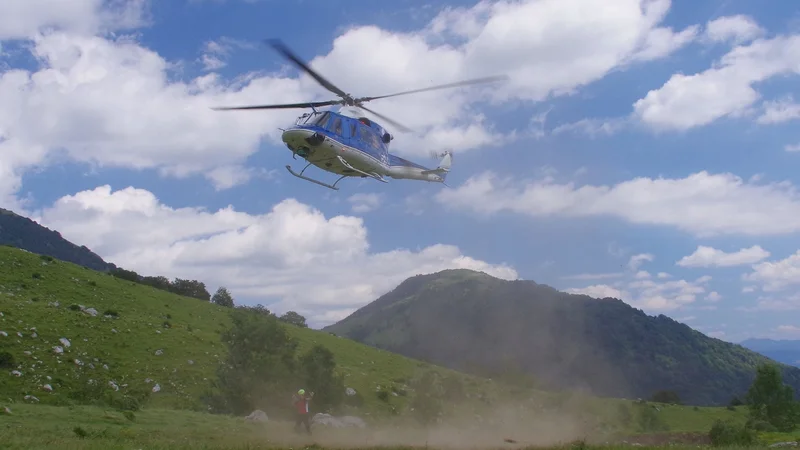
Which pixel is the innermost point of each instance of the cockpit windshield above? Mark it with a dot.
(320, 121)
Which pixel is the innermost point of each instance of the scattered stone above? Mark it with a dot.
(156, 388)
(190, 362)
(350, 392)
(91, 311)
(3, 333)
(159, 352)
(113, 385)
(19, 334)
(47, 388)
(6, 409)
(257, 416)
(784, 444)
(31, 398)
(16, 373)
(58, 349)
(65, 342)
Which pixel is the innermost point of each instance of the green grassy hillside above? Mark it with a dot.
(140, 337)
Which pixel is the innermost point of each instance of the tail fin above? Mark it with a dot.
(444, 165)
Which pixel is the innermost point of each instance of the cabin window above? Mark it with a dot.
(337, 125)
(368, 136)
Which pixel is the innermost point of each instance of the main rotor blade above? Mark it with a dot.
(282, 106)
(284, 50)
(441, 86)
(397, 125)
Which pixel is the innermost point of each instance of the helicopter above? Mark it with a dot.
(346, 142)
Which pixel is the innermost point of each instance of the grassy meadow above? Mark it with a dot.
(127, 337)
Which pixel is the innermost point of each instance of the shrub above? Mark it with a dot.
(6, 360)
(729, 434)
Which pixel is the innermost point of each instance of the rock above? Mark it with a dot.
(3, 333)
(47, 388)
(350, 392)
(113, 385)
(156, 388)
(65, 342)
(784, 444)
(7, 410)
(16, 373)
(159, 352)
(31, 398)
(257, 416)
(58, 349)
(90, 311)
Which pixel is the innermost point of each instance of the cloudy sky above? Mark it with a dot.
(642, 149)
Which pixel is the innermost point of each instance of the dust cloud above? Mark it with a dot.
(496, 427)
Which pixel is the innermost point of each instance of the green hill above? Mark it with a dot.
(476, 323)
(22, 232)
(142, 336)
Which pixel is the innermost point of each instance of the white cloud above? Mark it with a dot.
(260, 258)
(648, 294)
(779, 111)
(710, 257)
(215, 52)
(774, 303)
(726, 89)
(593, 276)
(788, 331)
(664, 275)
(735, 29)
(21, 19)
(713, 296)
(91, 92)
(636, 261)
(362, 203)
(702, 203)
(792, 148)
(748, 289)
(776, 275)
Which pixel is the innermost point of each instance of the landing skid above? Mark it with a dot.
(300, 175)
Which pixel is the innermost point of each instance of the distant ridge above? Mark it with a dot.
(26, 234)
(785, 351)
(473, 322)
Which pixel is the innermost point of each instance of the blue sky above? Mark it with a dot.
(642, 128)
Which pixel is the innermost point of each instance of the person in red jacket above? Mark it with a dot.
(301, 401)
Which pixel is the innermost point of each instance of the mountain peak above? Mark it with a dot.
(474, 322)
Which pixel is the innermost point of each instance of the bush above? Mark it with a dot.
(383, 395)
(728, 434)
(6, 360)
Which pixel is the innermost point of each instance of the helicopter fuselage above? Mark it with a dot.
(350, 146)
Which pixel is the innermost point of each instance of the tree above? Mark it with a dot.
(190, 288)
(260, 366)
(769, 400)
(294, 319)
(222, 297)
(318, 370)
